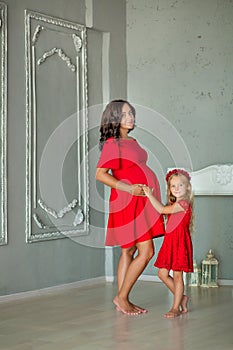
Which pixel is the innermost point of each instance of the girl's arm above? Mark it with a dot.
(102, 175)
(162, 209)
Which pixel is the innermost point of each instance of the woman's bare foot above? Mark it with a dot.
(184, 304)
(143, 311)
(172, 313)
(126, 307)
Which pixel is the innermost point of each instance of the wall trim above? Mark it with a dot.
(42, 220)
(145, 278)
(85, 283)
(151, 278)
(89, 13)
(54, 289)
(3, 124)
(110, 278)
(225, 282)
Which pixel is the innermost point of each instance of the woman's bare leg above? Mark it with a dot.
(125, 260)
(135, 268)
(170, 283)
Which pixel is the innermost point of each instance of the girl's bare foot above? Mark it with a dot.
(126, 307)
(172, 313)
(184, 304)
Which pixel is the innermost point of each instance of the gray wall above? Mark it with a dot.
(180, 64)
(32, 266)
(178, 59)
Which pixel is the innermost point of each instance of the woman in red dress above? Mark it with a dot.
(176, 253)
(132, 220)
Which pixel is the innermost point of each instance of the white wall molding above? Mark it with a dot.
(3, 122)
(52, 39)
(214, 180)
(89, 13)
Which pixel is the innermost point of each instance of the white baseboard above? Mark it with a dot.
(151, 278)
(84, 283)
(54, 289)
(110, 278)
(145, 278)
(225, 282)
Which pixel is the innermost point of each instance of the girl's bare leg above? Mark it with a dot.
(174, 287)
(178, 295)
(184, 304)
(135, 268)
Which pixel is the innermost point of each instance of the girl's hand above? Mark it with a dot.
(147, 190)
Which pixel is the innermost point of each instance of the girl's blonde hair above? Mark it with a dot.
(189, 195)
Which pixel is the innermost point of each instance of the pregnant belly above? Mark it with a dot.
(141, 174)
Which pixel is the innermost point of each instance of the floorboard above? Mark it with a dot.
(85, 318)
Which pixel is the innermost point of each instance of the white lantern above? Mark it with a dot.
(209, 277)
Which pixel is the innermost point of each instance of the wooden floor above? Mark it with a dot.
(85, 318)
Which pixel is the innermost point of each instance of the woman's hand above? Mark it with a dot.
(102, 175)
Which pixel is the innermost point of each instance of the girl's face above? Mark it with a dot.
(127, 120)
(179, 187)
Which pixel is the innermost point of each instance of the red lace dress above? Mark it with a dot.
(176, 252)
(131, 218)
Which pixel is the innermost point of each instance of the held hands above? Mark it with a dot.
(147, 190)
(141, 190)
(137, 190)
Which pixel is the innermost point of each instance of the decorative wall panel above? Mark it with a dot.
(56, 128)
(214, 180)
(3, 121)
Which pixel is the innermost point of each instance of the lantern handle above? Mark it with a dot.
(210, 254)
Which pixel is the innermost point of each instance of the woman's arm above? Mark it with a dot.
(162, 209)
(102, 175)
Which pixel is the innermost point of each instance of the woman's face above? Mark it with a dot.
(127, 120)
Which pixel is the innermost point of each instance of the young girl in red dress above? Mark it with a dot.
(176, 252)
(132, 222)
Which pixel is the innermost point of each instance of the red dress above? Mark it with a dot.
(176, 252)
(131, 218)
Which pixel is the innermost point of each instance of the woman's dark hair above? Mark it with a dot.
(111, 120)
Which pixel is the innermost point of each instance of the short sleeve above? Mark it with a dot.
(110, 155)
(184, 204)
